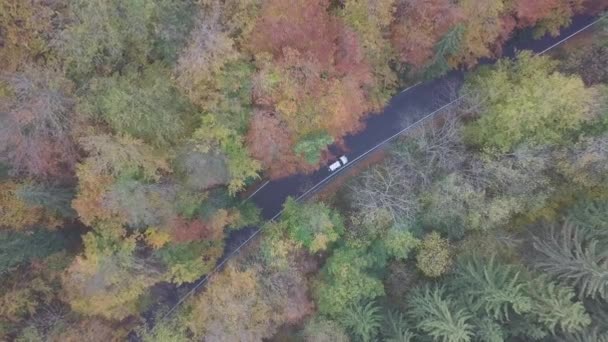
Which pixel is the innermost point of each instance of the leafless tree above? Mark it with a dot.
(35, 125)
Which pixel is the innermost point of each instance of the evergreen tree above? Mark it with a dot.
(494, 288)
(439, 316)
(56, 199)
(17, 248)
(363, 321)
(554, 308)
(591, 215)
(573, 256)
(396, 328)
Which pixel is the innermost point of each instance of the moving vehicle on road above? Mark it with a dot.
(338, 164)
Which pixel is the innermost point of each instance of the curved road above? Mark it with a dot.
(403, 112)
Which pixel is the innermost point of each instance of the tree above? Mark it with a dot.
(25, 27)
(201, 171)
(313, 225)
(187, 262)
(590, 62)
(35, 130)
(572, 255)
(270, 141)
(399, 243)
(486, 27)
(212, 135)
(363, 321)
(312, 145)
(548, 15)
(105, 35)
(109, 279)
(585, 162)
(55, 199)
(525, 100)
(438, 316)
(345, 279)
(312, 73)
(591, 215)
(415, 32)
(17, 214)
(371, 21)
(397, 328)
(493, 288)
(322, 330)
(232, 308)
(143, 104)
(434, 255)
(164, 331)
(554, 307)
(18, 248)
(201, 66)
(445, 48)
(121, 156)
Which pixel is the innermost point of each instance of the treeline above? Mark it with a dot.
(488, 224)
(127, 129)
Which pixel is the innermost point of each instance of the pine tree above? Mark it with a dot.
(438, 316)
(491, 287)
(446, 47)
(488, 330)
(591, 215)
(363, 321)
(396, 328)
(554, 308)
(573, 256)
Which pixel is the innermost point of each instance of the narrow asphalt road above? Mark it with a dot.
(404, 111)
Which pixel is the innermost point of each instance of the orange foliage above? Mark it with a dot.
(420, 25)
(270, 142)
(303, 25)
(183, 230)
(92, 188)
(313, 76)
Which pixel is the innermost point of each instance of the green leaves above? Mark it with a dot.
(575, 257)
(524, 100)
(144, 105)
(346, 279)
(492, 287)
(363, 321)
(311, 145)
(313, 225)
(19, 248)
(554, 307)
(440, 317)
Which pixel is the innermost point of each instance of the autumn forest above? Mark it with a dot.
(132, 133)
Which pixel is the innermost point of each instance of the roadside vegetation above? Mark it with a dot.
(129, 128)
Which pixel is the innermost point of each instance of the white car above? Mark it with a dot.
(338, 164)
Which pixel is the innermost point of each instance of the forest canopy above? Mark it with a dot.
(132, 132)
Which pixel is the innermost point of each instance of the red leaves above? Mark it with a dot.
(183, 230)
(269, 141)
(304, 25)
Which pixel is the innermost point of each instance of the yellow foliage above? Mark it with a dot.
(18, 215)
(232, 309)
(23, 25)
(156, 238)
